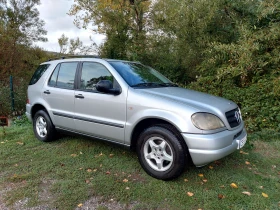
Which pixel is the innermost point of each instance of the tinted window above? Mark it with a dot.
(52, 80)
(92, 73)
(38, 73)
(66, 75)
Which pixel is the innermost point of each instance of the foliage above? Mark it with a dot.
(73, 170)
(122, 21)
(74, 46)
(20, 26)
(21, 120)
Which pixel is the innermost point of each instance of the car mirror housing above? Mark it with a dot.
(106, 86)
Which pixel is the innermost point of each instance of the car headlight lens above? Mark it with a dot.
(207, 121)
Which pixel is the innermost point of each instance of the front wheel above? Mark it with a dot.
(160, 153)
(43, 127)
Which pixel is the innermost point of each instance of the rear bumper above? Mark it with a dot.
(28, 112)
(210, 147)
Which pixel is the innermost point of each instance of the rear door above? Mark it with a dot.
(59, 94)
(99, 114)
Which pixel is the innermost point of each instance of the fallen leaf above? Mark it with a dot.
(244, 153)
(185, 180)
(265, 195)
(217, 162)
(94, 170)
(233, 185)
(211, 167)
(108, 172)
(261, 187)
(81, 153)
(111, 155)
(190, 194)
(222, 186)
(247, 163)
(204, 180)
(200, 175)
(101, 154)
(2, 142)
(20, 143)
(73, 155)
(127, 188)
(89, 170)
(246, 193)
(80, 205)
(221, 196)
(87, 181)
(125, 180)
(100, 165)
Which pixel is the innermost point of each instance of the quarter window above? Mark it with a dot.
(38, 73)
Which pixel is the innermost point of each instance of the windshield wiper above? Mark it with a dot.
(168, 84)
(146, 84)
(155, 84)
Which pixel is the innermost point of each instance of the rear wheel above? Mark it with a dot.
(161, 153)
(43, 127)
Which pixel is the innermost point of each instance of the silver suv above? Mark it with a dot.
(131, 104)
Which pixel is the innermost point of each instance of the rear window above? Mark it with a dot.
(38, 73)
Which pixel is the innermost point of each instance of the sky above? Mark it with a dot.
(57, 22)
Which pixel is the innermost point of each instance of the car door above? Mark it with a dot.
(99, 114)
(59, 95)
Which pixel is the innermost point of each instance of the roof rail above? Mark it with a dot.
(73, 56)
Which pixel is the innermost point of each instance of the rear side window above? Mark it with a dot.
(64, 75)
(38, 73)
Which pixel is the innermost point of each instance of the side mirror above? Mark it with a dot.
(106, 86)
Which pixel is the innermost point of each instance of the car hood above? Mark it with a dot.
(202, 101)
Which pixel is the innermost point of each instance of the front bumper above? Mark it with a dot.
(210, 147)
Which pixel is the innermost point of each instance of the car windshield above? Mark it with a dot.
(140, 76)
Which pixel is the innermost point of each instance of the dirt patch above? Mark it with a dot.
(99, 203)
(45, 196)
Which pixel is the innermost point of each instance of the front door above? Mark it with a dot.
(99, 114)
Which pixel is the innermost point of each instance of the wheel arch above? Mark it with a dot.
(36, 108)
(148, 122)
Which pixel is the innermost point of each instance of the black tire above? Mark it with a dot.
(43, 127)
(161, 153)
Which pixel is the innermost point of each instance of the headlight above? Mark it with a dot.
(206, 121)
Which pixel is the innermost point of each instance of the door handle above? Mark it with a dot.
(79, 96)
(47, 92)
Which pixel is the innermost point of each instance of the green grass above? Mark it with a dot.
(71, 170)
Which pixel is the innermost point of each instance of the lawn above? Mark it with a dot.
(81, 173)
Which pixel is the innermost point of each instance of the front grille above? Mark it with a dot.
(233, 117)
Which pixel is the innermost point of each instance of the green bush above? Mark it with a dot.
(20, 96)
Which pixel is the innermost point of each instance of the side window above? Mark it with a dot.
(92, 73)
(38, 73)
(64, 75)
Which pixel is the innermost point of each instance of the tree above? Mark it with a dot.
(20, 26)
(75, 46)
(122, 21)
